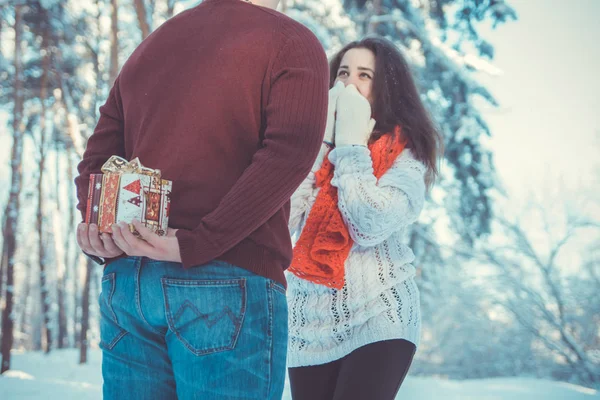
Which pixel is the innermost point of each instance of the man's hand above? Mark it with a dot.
(92, 242)
(161, 248)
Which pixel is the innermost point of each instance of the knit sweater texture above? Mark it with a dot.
(379, 300)
(229, 101)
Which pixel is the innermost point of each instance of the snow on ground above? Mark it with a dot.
(58, 376)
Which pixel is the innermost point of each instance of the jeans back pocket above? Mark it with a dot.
(205, 315)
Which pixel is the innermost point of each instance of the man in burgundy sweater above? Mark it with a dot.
(229, 101)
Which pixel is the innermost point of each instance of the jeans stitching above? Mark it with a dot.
(240, 321)
(138, 302)
(171, 323)
(111, 278)
(112, 344)
(278, 287)
(200, 282)
(269, 336)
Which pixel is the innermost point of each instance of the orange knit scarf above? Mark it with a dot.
(324, 244)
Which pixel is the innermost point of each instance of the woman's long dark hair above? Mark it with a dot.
(397, 102)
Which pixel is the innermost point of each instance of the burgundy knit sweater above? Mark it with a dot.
(229, 101)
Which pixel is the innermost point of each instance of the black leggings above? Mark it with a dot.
(372, 372)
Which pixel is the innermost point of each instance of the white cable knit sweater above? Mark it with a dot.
(380, 300)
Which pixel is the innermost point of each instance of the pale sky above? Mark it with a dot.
(548, 125)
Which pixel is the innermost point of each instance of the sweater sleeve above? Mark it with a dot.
(304, 197)
(373, 210)
(295, 123)
(106, 141)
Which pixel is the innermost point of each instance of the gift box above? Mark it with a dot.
(126, 190)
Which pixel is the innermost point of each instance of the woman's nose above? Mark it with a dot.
(352, 80)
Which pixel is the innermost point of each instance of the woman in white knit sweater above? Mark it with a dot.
(354, 313)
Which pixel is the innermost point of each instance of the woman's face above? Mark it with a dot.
(358, 68)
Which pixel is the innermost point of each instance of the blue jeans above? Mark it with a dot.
(211, 332)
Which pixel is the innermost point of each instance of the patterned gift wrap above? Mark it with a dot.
(126, 191)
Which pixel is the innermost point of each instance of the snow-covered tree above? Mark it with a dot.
(67, 56)
(547, 279)
(9, 228)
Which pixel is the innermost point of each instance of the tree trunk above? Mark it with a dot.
(72, 263)
(114, 42)
(85, 297)
(44, 298)
(12, 207)
(142, 15)
(3, 262)
(63, 337)
(97, 74)
(4, 258)
(77, 300)
(62, 276)
(68, 285)
(170, 8)
(85, 313)
(372, 28)
(25, 324)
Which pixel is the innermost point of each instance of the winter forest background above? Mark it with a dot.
(509, 274)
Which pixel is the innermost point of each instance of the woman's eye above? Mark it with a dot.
(365, 75)
(342, 73)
